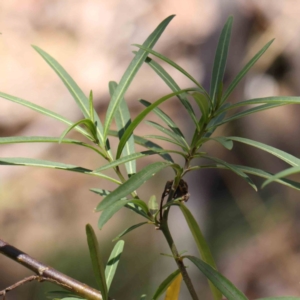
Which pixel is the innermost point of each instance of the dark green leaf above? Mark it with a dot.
(78, 95)
(203, 103)
(244, 71)
(163, 138)
(132, 184)
(202, 245)
(128, 230)
(224, 141)
(220, 60)
(165, 284)
(221, 282)
(122, 117)
(113, 262)
(130, 73)
(97, 261)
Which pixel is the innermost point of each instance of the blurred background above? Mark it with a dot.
(254, 236)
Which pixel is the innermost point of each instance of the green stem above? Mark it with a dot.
(185, 276)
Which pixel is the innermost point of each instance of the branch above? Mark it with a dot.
(47, 273)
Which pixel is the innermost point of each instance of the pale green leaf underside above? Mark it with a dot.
(113, 262)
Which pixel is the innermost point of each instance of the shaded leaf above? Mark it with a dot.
(97, 262)
(220, 60)
(224, 141)
(131, 72)
(132, 184)
(165, 284)
(112, 263)
(128, 230)
(202, 245)
(221, 282)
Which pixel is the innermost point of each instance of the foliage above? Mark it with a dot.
(213, 107)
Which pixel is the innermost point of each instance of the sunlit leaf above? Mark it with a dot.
(97, 261)
(221, 282)
(130, 73)
(165, 284)
(220, 60)
(245, 70)
(132, 184)
(122, 117)
(112, 263)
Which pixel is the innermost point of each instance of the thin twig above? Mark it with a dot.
(48, 273)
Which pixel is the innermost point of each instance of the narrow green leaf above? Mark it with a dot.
(97, 261)
(41, 110)
(147, 144)
(224, 141)
(202, 245)
(87, 122)
(245, 70)
(288, 158)
(131, 71)
(132, 184)
(259, 173)
(181, 141)
(233, 169)
(267, 100)
(138, 210)
(113, 262)
(122, 117)
(161, 72)
(20, 161)
(246, 112)
(220, 59)
(153, 205)
(91, 107)
(164, 285)
(78, 95)
(203, 103)
(165, 118)
(284, 173)
(163, 138)
(220, 282)
(113, 208)
(172, 63)
(128, 230)
(141, 116)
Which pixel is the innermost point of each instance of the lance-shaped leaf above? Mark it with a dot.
(172, 63)
(203, 103)
(142, 115)
(174, 288)
(163, 74)
(128, 230)
(109, 211)
(45, 139)
(220, 60)
(181, 141)
(131, 71)
(163, 138)
(244, 113)
(147, 144)
(97, 261)
(202, 245)
(224, 141)
(112, 263)
(165, 284)
(122, 117)
(288, 158)
(284, 173)
(78, 95)
(165, 118)
(245, 70)
(267, 100)
(21, 161)
(42, 110)
(132, 184)
(221, 282)
(233, 169)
